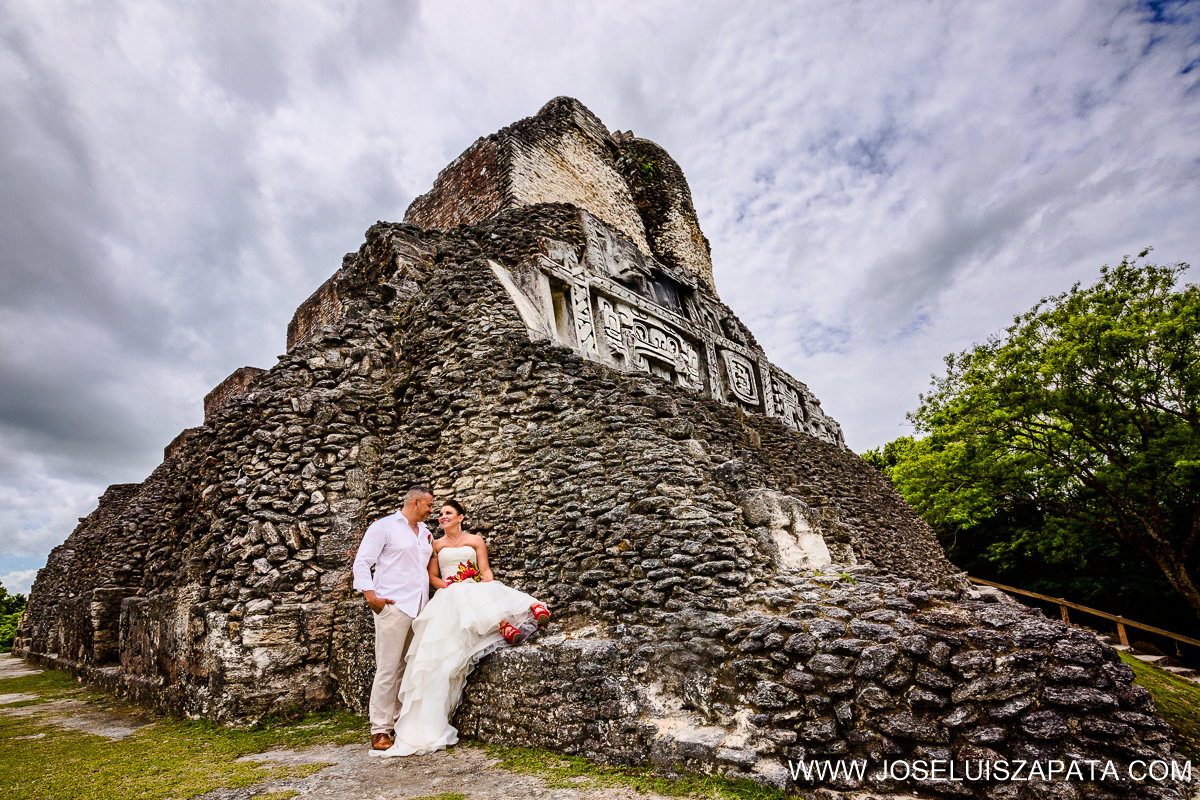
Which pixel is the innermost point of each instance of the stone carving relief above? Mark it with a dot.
(740, 377)
(799, 409)
(611, 256)
(615, 305)
(793, 409)
(642, 341)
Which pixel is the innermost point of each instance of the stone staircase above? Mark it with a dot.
(1165, 663)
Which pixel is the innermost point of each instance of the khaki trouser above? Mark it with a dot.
(393, 629)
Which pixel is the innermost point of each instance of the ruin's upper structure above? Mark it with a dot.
(564, 154)
(641, 296)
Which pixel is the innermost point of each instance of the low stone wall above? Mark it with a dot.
(172, 448)
(471, 188)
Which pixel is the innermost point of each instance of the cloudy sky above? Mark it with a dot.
(882, 182)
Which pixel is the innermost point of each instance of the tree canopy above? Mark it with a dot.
(1080, 425)
(11, 606)
(10, 603)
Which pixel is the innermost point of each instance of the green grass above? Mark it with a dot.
(563, 772)
(168, 759)
(1178, 702)
(49, 685)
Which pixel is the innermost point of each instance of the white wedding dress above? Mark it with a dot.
(459, 626)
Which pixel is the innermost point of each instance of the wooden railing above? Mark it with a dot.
(1063, 605)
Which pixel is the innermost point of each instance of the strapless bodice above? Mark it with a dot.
(450, 557)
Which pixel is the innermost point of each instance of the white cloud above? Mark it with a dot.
(18, 582)
(41, 503)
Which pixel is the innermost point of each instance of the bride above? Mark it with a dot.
(471, 615)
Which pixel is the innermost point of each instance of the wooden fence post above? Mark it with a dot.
(1062, 607)
(1121, 631)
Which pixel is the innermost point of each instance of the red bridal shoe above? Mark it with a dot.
(509, 633)
(540, 612)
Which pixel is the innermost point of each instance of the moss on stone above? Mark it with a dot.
(573, 772)
(1178, 702)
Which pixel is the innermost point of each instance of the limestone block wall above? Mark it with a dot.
(232, 387)
(573, 164)
(322, 308)
(564, 154)
(472, 187)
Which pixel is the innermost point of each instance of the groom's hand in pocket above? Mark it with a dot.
(376, 603)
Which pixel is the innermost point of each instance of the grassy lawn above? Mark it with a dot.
(1178, 702)
(179, 759)
(168, 758)
(176, 759)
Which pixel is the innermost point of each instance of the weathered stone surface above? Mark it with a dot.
(1044, 725)
(731, 587)
(1080, 697)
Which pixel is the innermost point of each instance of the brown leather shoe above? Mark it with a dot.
(380, 741)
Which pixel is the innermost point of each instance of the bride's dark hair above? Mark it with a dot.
(457, 506)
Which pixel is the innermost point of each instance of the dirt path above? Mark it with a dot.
(14, 667)
(464, 770)
(72, 714)
(353, 773)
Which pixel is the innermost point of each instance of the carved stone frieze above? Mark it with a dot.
(613, 304)
(637, 339)
(800, 409)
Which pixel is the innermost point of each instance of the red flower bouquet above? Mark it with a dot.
(466, 572)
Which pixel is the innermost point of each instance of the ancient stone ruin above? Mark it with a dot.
(733, 589)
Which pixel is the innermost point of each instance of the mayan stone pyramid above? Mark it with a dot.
(541, 338)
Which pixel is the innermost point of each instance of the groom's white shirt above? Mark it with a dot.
(401, 561)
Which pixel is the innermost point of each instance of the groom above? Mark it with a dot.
(399, 548)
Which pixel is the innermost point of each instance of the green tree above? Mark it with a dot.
(1083, 420)
(11, 606)
(10, 603)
